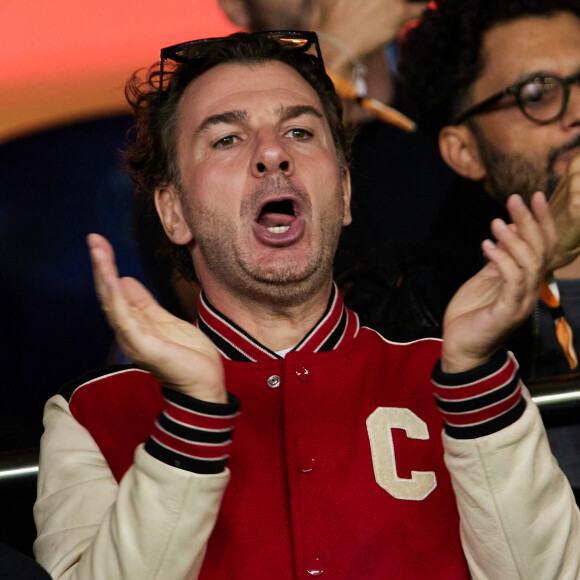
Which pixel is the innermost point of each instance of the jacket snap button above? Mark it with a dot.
(303, 373)
(304, 464)
(314, 567)
(274, 381)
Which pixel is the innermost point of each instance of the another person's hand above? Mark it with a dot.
(489, 306)
(565, 206)
(364, 26)
(176, 353)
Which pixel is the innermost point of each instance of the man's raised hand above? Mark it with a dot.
(489, 306)
(175, 352)
(565, 206)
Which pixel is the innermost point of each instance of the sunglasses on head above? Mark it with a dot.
(290, 40)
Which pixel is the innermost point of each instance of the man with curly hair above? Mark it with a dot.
(496, 82)
(338, 465)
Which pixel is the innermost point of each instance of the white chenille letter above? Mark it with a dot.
(379, 425)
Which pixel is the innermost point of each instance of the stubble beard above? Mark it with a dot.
(515, 173)
(281, 284)
(510, 174)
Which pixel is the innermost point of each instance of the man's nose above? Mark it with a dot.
(270, 156)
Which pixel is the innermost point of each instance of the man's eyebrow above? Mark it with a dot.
(227, 118)
(528, 76)
(287, 113)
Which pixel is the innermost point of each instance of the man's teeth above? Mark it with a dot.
(278, 229)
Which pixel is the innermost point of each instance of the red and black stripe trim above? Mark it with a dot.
(193, 435)
(338, 325)
(481, 401)
(232, 341)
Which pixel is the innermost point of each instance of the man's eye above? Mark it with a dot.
(297, 133)
(226, 141)
(539, 91)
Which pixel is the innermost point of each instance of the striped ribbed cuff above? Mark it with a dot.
(481, 401)
(193, 435)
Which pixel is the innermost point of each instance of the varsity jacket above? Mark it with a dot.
(337, 467)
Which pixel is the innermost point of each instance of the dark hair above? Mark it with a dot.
(440, 57)
(151, 159)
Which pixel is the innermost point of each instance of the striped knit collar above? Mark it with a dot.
(337, 326)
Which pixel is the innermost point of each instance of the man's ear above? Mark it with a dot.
(236, 12)
(346, 191)
(459, 150)
(170, 210)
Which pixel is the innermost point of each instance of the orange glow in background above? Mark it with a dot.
(64, 61)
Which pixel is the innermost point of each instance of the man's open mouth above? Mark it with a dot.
(277, 216)
(280, 222)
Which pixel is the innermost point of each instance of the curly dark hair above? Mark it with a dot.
(151, 156)
(440, 57)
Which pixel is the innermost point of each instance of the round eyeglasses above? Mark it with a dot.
(541, 98)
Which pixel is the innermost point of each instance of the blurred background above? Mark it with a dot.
(63, 120)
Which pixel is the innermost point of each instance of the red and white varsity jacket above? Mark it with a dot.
(337, 467)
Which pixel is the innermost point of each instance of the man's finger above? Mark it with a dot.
(522, 216)
(103, 264)
(530, 232)
(524, 253)
(102, 258)
(517, 295)
(108, 285)
(541, 209)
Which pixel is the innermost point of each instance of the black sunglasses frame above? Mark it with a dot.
(309, 38)
(515, 89)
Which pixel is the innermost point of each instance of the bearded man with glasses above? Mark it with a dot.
(497, 84)
(338, 465)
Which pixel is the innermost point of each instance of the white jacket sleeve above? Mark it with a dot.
(154, 525)
(519, 519)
